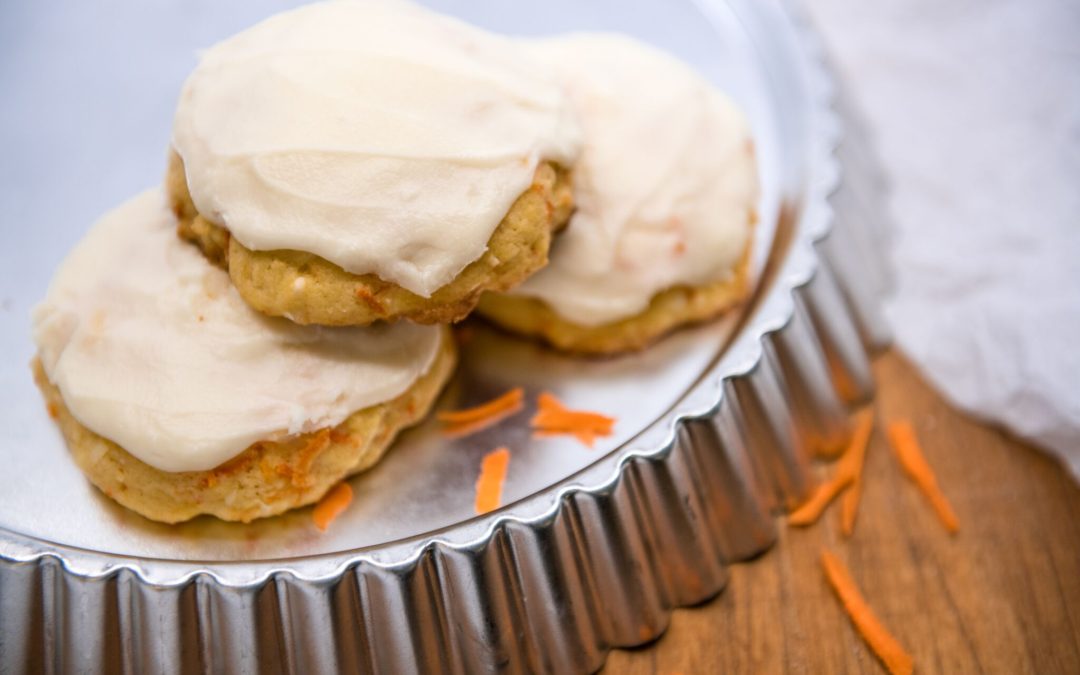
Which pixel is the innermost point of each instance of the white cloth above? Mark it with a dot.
(975, 106)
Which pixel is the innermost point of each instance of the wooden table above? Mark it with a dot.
(1002, 596)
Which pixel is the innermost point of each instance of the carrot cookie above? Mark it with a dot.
(666, 190)
(351, 161)
(177, 399)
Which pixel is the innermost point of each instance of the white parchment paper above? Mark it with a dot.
(975, 105)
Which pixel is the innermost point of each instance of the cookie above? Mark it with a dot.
(267, 478)
(667, 310)
(308, 289)
(177, 399)
(666, 190)
(351, 162)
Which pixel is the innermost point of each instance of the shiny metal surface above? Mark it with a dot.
(594, 547)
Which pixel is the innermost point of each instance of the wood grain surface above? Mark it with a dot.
(1001, 596)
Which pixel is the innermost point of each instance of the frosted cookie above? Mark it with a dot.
(355, 161)
(666, 190)
(177, 399)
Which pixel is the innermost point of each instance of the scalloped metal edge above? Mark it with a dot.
(565, 576)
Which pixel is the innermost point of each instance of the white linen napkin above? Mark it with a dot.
(975, 106)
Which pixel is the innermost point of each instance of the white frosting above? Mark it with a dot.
(665, 186)
(152, 348)
(374, 133)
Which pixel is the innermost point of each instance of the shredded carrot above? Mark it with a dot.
(507, 401)
(490, 483)
(847, 473)
(860, 440)
(468, 428)
(332, 505)
(809, 512)
(849, 507)
(554, 418)
(885, 646)
(586, 437)
(553, 413)
(906, 446)
(458, 423)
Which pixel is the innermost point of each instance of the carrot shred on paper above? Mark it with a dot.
(508, 401)
(906, 446)
(332, 505)
(489, 485)
(855, 458)
(554, 418)
(885, 646)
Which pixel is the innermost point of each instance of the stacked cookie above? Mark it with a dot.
(666, 187)
(346, 179)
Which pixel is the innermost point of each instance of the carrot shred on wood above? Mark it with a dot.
(885, 646)
(907, 449)
(554, 418)
(848, 471)
(860, 441)
(811, 510)
(489, 485)
(849, 507)
(332, 505)
(457, 423)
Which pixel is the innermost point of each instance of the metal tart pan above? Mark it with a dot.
(593, 548)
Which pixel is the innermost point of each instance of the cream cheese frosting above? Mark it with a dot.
(376, 134)
(666, 184)
(152, 348)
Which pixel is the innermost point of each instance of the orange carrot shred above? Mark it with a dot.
(508, 401)
(490, 483)
(332, 505)
(458, 423)
(461, 429)
(849, 507)
(860, 440)
(811, 510)
(554, 418)
(547, 400)
(847, 473)
(907, 449)
(884, 645)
